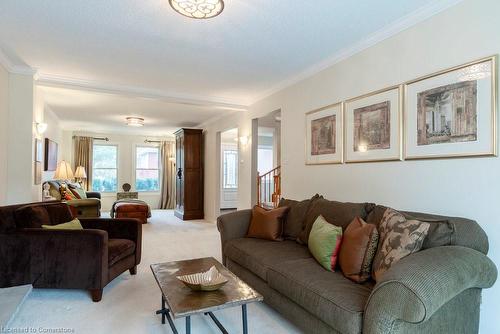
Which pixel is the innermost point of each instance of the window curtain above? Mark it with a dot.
(167, 158)
(83, 157)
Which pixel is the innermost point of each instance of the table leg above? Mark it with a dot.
(188, 325)
(245, 320)
(163, 310)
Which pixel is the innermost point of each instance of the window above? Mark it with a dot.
(104, 168)
(147, 168)
(230, 160)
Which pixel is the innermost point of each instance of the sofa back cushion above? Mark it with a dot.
(32, 217)
(338, 213)
(295, 220)
(443, 230)
(38, 214)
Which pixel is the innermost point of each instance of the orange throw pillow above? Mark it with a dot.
(267, 224)
(358, 249)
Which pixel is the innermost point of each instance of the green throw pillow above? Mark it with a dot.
(324, 242)
(72, 225)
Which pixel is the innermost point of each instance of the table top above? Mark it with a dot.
(182, 301)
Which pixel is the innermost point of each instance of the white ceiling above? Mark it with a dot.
(143, 47)
(80, 110)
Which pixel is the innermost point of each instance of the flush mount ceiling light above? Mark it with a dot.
(198, 9)
(135, 121)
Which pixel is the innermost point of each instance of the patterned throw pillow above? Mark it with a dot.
(398, 238)
(324, 242)
(359, 245)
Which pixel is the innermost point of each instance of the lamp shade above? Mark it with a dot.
(80, 172)
(63, 171)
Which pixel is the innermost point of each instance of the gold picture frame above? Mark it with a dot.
(318, 126)
(481, 141)
(391, 100)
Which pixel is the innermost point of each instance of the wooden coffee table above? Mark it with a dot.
(180, 301)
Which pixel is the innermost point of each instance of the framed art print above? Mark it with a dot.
(324, 135)
(50, 161)
(452, 113)
(373, 126)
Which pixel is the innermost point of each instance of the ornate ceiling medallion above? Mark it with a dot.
(198, 9)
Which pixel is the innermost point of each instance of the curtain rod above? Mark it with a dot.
(147, 141)
(97, 138)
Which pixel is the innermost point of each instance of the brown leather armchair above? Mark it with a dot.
(66, 259)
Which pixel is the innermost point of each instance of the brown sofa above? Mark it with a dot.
(68, 259)
(436, 290)
(81, 208)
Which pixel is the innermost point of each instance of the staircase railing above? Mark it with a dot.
(269, 188)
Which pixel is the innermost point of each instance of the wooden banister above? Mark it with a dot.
(269, 188)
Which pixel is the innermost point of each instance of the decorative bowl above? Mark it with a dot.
(209, 280)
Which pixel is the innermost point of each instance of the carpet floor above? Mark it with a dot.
(129, 302)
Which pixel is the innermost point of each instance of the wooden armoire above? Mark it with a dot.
(189, 180)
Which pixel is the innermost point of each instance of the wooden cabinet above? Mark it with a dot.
(189, 180)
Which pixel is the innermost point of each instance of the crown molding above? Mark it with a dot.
(49, 80)
(13, 68)
(393, 29)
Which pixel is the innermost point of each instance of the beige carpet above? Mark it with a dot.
(129, 302)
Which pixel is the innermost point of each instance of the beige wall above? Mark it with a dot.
(462, 187)
(20, 188)
(126, 165)
(4, 112)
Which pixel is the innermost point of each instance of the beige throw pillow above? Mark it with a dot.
(398, 238)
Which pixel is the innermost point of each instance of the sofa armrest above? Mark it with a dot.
(418, 285)
(84, 202)
(93, 194)
(67, 258)
(232, 226)
(119, 228)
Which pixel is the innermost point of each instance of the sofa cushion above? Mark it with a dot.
(338, 213)
(267, 224)
(296, 217)
(257, 255)
(32, 216)
(119, 249)
(328, 295)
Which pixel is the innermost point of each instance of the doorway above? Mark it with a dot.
(228, 171)
(266, 134)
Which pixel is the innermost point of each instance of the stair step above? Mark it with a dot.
(11, 300)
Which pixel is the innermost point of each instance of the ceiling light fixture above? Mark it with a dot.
(198, 9)
(135, 121)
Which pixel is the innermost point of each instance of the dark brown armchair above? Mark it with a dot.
(67, 259)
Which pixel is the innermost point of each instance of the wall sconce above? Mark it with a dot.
(244, 140)
(41, 128)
